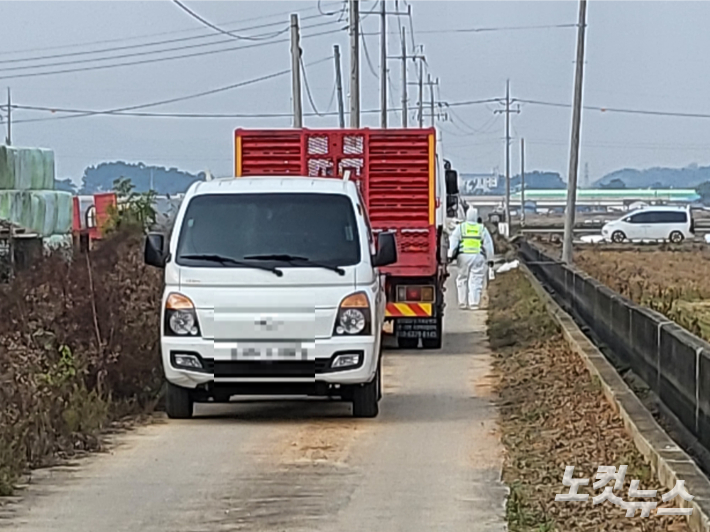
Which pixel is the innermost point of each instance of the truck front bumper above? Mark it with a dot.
(218, 365)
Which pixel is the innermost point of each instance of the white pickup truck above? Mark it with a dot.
(272, 287)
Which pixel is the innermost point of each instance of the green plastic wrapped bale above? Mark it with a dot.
(45, 212)
(26, 168)
(64, 212)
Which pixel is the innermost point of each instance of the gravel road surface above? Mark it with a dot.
(430, 462)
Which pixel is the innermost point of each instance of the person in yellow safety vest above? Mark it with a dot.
(472, 245)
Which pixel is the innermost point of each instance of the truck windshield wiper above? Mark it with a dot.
(229, 260)
(291, 259)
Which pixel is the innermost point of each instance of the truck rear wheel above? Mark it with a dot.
(365, 398)
(178, 402)
(434, 343)
(407, 343)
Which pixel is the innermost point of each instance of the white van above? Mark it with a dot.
(651, 223)
(272, 287)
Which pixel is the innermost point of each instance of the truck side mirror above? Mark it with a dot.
(386, 250)
(154, 254)
(452, 182)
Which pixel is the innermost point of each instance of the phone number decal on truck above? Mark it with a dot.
(416, 328)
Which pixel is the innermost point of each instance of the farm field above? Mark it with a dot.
(673, 280)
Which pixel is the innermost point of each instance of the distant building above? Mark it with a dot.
(476, 184)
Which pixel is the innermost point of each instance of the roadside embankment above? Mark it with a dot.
(79, 349)
(554, 414)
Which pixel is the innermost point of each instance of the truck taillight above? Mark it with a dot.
(415, 294)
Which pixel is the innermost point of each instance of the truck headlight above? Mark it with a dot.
(352, 321)
(182, 322)
(353, 316)
(180, 316)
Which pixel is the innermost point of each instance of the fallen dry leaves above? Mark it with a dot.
(553, 414)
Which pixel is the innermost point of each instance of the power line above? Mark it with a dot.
(137, 54)
(367, 57)
(220, 30)
(620, 110)
(340, 12)
(82, 113)
(210, 35)
(172, 32)
(161, 59)
(124, 112)
(500, 28)
(329, 107)
(308, 87)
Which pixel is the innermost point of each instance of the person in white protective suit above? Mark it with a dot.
(472, 244)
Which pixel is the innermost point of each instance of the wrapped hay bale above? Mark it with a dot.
(26, 168)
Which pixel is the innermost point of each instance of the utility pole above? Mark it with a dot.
(567, 243)
(507, 155)
(296, 73)
(404, 77)
(383, 63)
(8, 140)
(507, 112)
(522, 182)
(421, 93)
(354, 64)
(339, 85)
(431, 98)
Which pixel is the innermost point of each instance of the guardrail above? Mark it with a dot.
(674, 363)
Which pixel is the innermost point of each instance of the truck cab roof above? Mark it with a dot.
(262, 185)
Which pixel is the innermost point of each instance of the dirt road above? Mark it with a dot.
(430, 461)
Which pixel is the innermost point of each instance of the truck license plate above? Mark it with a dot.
(417, 328)
(256, 352)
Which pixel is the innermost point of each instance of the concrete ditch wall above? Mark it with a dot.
(674, 363)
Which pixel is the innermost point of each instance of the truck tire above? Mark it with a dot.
(379, 380)
(365, 398)
(435, 343)
(432, 343)
(407, 343)
(178, 402)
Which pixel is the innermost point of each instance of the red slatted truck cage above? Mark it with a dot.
(397, 175)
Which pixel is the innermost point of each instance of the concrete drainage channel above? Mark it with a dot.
(668, 461)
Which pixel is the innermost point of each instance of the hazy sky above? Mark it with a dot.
(640, 55)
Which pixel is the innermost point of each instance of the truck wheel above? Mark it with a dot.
(432, 343)
(379, 378)
(407, 343)
(178, 402)
(365, 398)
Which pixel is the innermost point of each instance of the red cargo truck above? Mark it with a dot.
(399, 177)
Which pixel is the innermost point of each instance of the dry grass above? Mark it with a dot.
(673, 282)
(553, 414)
(671, 279)
(79, 347)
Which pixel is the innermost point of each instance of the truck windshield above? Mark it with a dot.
(259, 228)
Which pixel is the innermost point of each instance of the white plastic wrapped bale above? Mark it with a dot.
(26, 168)
(45, 212)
